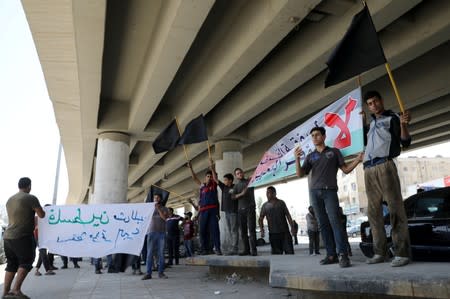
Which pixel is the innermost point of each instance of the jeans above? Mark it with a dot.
(209, 226)
(188, 247)
(155, 241)
(326, 208)
(98, 264)
(232, 224)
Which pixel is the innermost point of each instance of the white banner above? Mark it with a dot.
(95, 230)
(344, 130)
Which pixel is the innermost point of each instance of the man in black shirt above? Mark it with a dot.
(173, 236)
(278, 217)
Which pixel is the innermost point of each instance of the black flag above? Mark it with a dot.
(156, 190)
(195, 131)
(168, 138)
(359, 50)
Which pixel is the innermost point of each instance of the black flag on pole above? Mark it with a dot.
(156, 190)
(167, 139)
(194, 132)
(357, 52)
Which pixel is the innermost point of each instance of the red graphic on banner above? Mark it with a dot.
(344, 138)
(447, 181)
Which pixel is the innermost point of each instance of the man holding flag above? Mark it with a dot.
(386, 134)
(323, 164)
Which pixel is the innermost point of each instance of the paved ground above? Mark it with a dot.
(195, 281)
(184, 282)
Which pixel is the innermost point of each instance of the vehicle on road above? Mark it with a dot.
(354, 231)
(428, 216)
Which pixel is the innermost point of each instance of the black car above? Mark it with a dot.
(428, 216)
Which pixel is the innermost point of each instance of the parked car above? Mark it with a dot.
(354, 231)
(428, 216)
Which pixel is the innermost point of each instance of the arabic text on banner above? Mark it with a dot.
(95, 230)
(344, 130)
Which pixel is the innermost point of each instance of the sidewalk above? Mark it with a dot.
(297, 272)
(185, 282)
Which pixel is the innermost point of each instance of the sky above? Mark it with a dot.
(30, 136)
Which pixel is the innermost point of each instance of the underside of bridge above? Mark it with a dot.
(255, 69)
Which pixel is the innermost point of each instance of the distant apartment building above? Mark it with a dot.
(411, 170)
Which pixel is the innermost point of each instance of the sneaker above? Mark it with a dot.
(37, 273)
(344, 261)
(329, 260)
(139, 272)
(50, 272)
(376, 259)
(98, 272)
(218, 252)
(146, 277)
(64, 267)
(399, 261)
(162, 276)
(317, 252)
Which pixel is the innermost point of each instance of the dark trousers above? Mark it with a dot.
(43, 259)
(74, 260)
(295, 239)
(247, 226)
(209, 226)
(313, 242)
(173, 246)
(281, 243)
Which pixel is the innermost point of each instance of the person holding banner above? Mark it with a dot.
(19, 244)
(386, 134)
(208, 207)
(156, 238)
(323, 164)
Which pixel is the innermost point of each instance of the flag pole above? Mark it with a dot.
(184, 146)
(209, 149)
(178, 195)
(394, 86)
(358, 80)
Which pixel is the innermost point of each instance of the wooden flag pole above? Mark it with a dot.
(209, 149)
(358, 80)
(394, 86)
(178, 195)
(184, 146)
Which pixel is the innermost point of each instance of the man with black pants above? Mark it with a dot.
(246, 211)
(278, 217)
(323, 164)
(19, 244)
(173, 237)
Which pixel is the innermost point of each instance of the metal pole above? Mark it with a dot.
(58, 164)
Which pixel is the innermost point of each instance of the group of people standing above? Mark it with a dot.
(386, 133)
(238, 204)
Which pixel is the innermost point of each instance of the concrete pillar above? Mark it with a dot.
(228, 155)
(111, 169)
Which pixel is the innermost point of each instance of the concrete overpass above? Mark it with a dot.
(255, 69)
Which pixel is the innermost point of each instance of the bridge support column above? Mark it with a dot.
(228, 154)
(111, 169)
